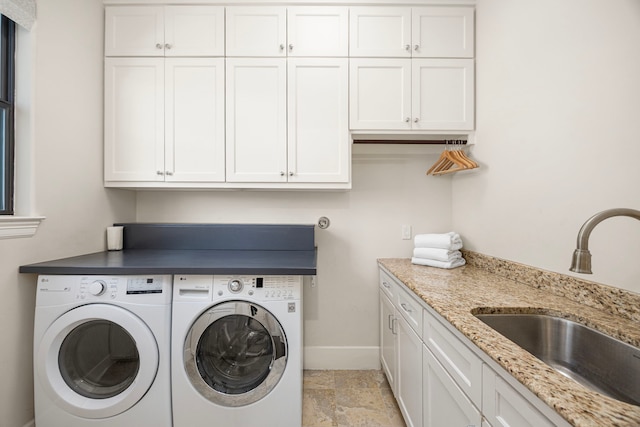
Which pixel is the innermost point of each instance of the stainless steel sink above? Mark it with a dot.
(595, 360)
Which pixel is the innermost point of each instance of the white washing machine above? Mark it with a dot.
(101, 351)
(236, 351)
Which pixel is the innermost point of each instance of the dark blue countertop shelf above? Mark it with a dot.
(254, 249)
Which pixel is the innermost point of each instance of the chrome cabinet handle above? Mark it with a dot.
(405, 308)
(386, 285)
(290, 47)
(282, 173)
(169, 173)
(291, 173)
(168, 46)
(416, 120)
(281, 47)
(159, 173)
(158, 46)
(408, 119)
(394, 331)
(416, 47)
(407, 47)
(390, 322)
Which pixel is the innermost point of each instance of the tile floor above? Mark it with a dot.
(348, 399)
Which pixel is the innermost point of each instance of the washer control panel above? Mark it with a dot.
(263, 288)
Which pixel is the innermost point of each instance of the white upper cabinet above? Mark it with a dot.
(256, 120)
(425, 32)
(256, 31)
(318, 31)
(442, 32)
(380, 31)
(318, 130)
(280, 32)
(164, 31)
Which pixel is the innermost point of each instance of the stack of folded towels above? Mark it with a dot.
(438, 250)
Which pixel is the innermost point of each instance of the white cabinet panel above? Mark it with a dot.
(380, 94)
(134, 31)
(194, 120)
(194, 31)
(256, 120)
(318, 31)
(318, 120)
(443, 95)
(134, 113)
(409, 374)
(444, 403)
(442, 32)
(380, 31)
(388, 340)
(505, 407)
(256, 31)
(164, 31)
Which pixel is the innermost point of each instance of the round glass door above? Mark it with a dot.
(97, 360)
(235, 353)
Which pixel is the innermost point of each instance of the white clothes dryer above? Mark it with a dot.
(236, 351)
(101, 351)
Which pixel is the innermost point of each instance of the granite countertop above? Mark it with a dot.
(505, 288)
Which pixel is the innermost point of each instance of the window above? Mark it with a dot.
(7, 83)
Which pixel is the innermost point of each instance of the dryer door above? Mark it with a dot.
(97, 360)
(235, 353)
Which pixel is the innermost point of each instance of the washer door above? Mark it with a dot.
(97, 360)
(235, 353)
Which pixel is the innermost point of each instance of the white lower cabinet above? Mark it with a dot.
(409, 378)
(444, 404)
(503, 406)
(440, 379)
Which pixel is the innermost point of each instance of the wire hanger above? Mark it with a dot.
(452, 159)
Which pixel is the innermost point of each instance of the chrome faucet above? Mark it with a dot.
(581, 262)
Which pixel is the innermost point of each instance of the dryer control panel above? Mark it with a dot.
(260, 288)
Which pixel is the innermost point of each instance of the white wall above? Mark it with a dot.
(67, 181)
(558, 125)
(389, 190)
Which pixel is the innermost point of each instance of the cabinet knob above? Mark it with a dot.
(416, 47)
(282, 173)
(408, 47)
(290, 173)
(159, 173)
(281, 47)
(169, 173)
(290, 47)
(416, 120)
(168, 46)
(158, 46)
(408, 119)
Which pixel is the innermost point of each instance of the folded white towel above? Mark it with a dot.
(440, 264)
(450, 240)
(437, 254)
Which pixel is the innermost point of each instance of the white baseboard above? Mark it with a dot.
(342, 357)
(31, 423)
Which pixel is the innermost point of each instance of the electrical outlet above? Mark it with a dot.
(406, 232)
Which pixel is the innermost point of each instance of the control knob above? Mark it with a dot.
(97, 288)
(235, 286)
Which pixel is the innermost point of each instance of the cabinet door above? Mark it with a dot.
(380, 94)
(194, 119)
(442, 32)
(388, 339)
(444, 403)
(134, 117)
(380, 31)
(194, 31)
(443, 96)
(318, 139)
(318, 31)
(256, 31)
(409, 374)
(256, 120)
(134, 31)
(505, 407)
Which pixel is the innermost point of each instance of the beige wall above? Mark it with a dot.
(558, 125)
(67, 182)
